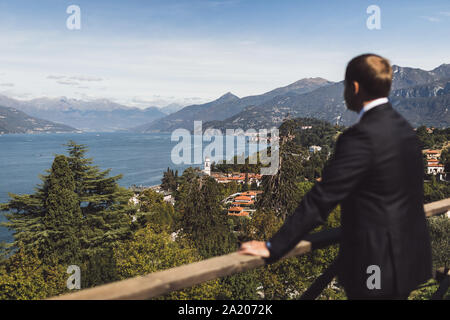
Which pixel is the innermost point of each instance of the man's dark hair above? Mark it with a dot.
(372, 72)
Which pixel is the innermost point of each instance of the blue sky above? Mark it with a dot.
(143, 53)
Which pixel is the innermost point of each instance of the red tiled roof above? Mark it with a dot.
(240, 214)
(243, 203)
(243, 198)
(248, 193)
(435, 165)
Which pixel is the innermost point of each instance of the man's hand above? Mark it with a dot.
(255, 248)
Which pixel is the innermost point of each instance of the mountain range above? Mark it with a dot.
(95, 115)
(15, 121)
(226, 106)
(422, 97)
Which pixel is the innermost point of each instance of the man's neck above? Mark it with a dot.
(367, 105)
(367, 102)
(364, 103)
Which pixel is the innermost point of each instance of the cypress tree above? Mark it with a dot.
(280, 190)
(169, 180)
(62, 218)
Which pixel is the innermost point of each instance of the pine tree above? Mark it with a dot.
(103, 216)
(106, 213)
(50, 219)
(25, 218)
(104, 204)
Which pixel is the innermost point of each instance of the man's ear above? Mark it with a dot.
(355, 87)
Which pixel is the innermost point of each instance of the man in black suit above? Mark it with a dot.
(376, 174)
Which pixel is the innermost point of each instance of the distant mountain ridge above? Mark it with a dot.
(95, 115)
(226, 106)
(16, 121)
(171, 108)
(422, 97)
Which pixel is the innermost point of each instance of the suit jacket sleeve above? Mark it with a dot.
(340, 177)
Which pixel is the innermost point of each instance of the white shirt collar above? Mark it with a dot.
(372, 104)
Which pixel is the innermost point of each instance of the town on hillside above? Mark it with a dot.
(243, 202)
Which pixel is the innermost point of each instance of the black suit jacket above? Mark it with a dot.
(376, 174)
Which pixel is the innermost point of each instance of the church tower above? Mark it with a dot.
(207, 166)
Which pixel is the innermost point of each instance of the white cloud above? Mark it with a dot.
(155, 71)
(67, 82)
(55, 77)
(162, 101)
(189, 70)
(85, 78)
(76, 78)
(7, 84)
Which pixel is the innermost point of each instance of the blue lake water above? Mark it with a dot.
(141, 158)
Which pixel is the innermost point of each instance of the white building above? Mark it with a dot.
(134, 200)
(314, 149)
(207, 166)
(435, 168)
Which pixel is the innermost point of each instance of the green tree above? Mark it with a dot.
(62, 218)
(50, 219)
(440, 240)
(106, 215)
(170, 180)
(104, 204)
(289, 278)
(435, 190)
(150, 251)
(202, 219)
(445, 159)
(155, 211)
(280, 191)
(3, 251)
(23, 276)
(204, 223)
